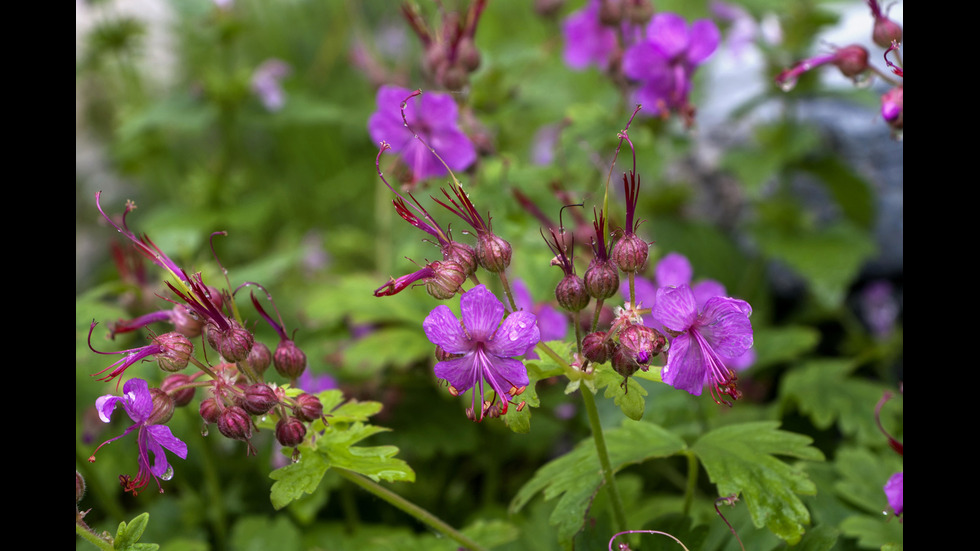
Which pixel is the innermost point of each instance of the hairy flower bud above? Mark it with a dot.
(289, 360)
(186, 322)
(462, 254)
(234, 344)
(493, 253)
(177, 386)
(259, 399)
(163, 407)
(467, 54)
(234, 422)
(597, 348)
(852, 60)
(176, 351)
(885, 31)
(571, 293)
(308, 408)
(601, 279)
(643, 342)
(259, 358)
(79, 486)
(624, 362)
(610, 12)
(210, 410)
(640, 11)
(630, 253)
(290, 432)
(446, 281)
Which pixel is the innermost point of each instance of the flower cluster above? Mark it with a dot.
(235, 385)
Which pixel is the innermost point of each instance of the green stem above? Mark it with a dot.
(600, 447)
(91, 537)
(692, 482)
(412, 509)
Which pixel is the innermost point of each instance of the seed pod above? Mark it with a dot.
(597, 348)
(308, 408)
(234, 422)
(493, 253)
(446, 281)
(289, 360)
(183, 396)
(259, 399)
(630, 253)
(290, 432)
(571, 293)
(601, 279)
(163, 407)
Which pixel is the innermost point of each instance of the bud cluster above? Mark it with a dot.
(450, 53)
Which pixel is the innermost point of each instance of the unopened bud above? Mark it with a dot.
(601, 279)
(289, 360)
(447, 278)
(623, 361)
(176, 351)
(493, 253)
(597, 348)
(630, 253)
(640, 11)
(186, 322)
(462, 254)
(885, 31)
(79, 486)
(892, 107)
(259, 358)
(234, 422)
(308, 408)
(467, 54)
(210, 410)
(571, 293)
(163, 407)
(234, 344)
(178, 386)
(548, 8)
(643, 342)
(852, 60)
(290, 432)
(259, 399)
(610, 12)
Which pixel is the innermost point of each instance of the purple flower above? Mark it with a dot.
(266, 83)
(703, 337)
(894, 492)
(151, 438)
(483, 348)
(434, 119)
(552, 323)
(665, 62)
(587, 40)
(315, 384)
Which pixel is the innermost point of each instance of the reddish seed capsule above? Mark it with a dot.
(163, 407)
(601, 279)
(289, 360)
(597, 348)
(175, 353)
(290, 432)
(183, 396)
(493, 253)
(308, 408)
(259, 399)
(571, 293)
(259, 358)
(234, 422)
(210, 410)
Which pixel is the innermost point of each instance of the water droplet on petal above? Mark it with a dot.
(169, 474)
(514, 335)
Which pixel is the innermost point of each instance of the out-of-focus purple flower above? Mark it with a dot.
(703, 337)
(552, 324)
(742, 29)
(434, 118)
(315, 384)
(895, 493)
(486, 345)
(665, 61)
(151, 438)
(879, 307)
(266, 83)
(587, 40)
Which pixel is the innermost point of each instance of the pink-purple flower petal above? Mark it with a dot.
(516, 334)
(443, 329)
(482, 313)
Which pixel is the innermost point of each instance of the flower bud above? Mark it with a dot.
(186, 322)
(289, 360)
(548, 8)
(308, 408)
(601, 279)
(177, 350)
(597, 348)
(79, 486)
(210, 410)
(467, 54)
(234, 422)
(259, 358)
(234, 344)
(640, 11)
(462, 254)
(623, 361)
(290, 432)
(571, 293)
(259, 399)
(643, 342)
(610, 12)
(447, 278)
(171, 384)
(852, 60)
(493, 253)
(892, 107)
(630, 253)
(885, 31)
(163, 407)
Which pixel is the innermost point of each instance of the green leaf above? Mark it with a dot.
(829, 258)
(296, 479)
(825, 392)
(862, 476)
(628, 397)
(851, 191)
(577, 476)
(820, 538)
(260, 533)
(376, 462)
(783, 344)
(128, 535)
(874, 531)
(396, 346)
(740, 459)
